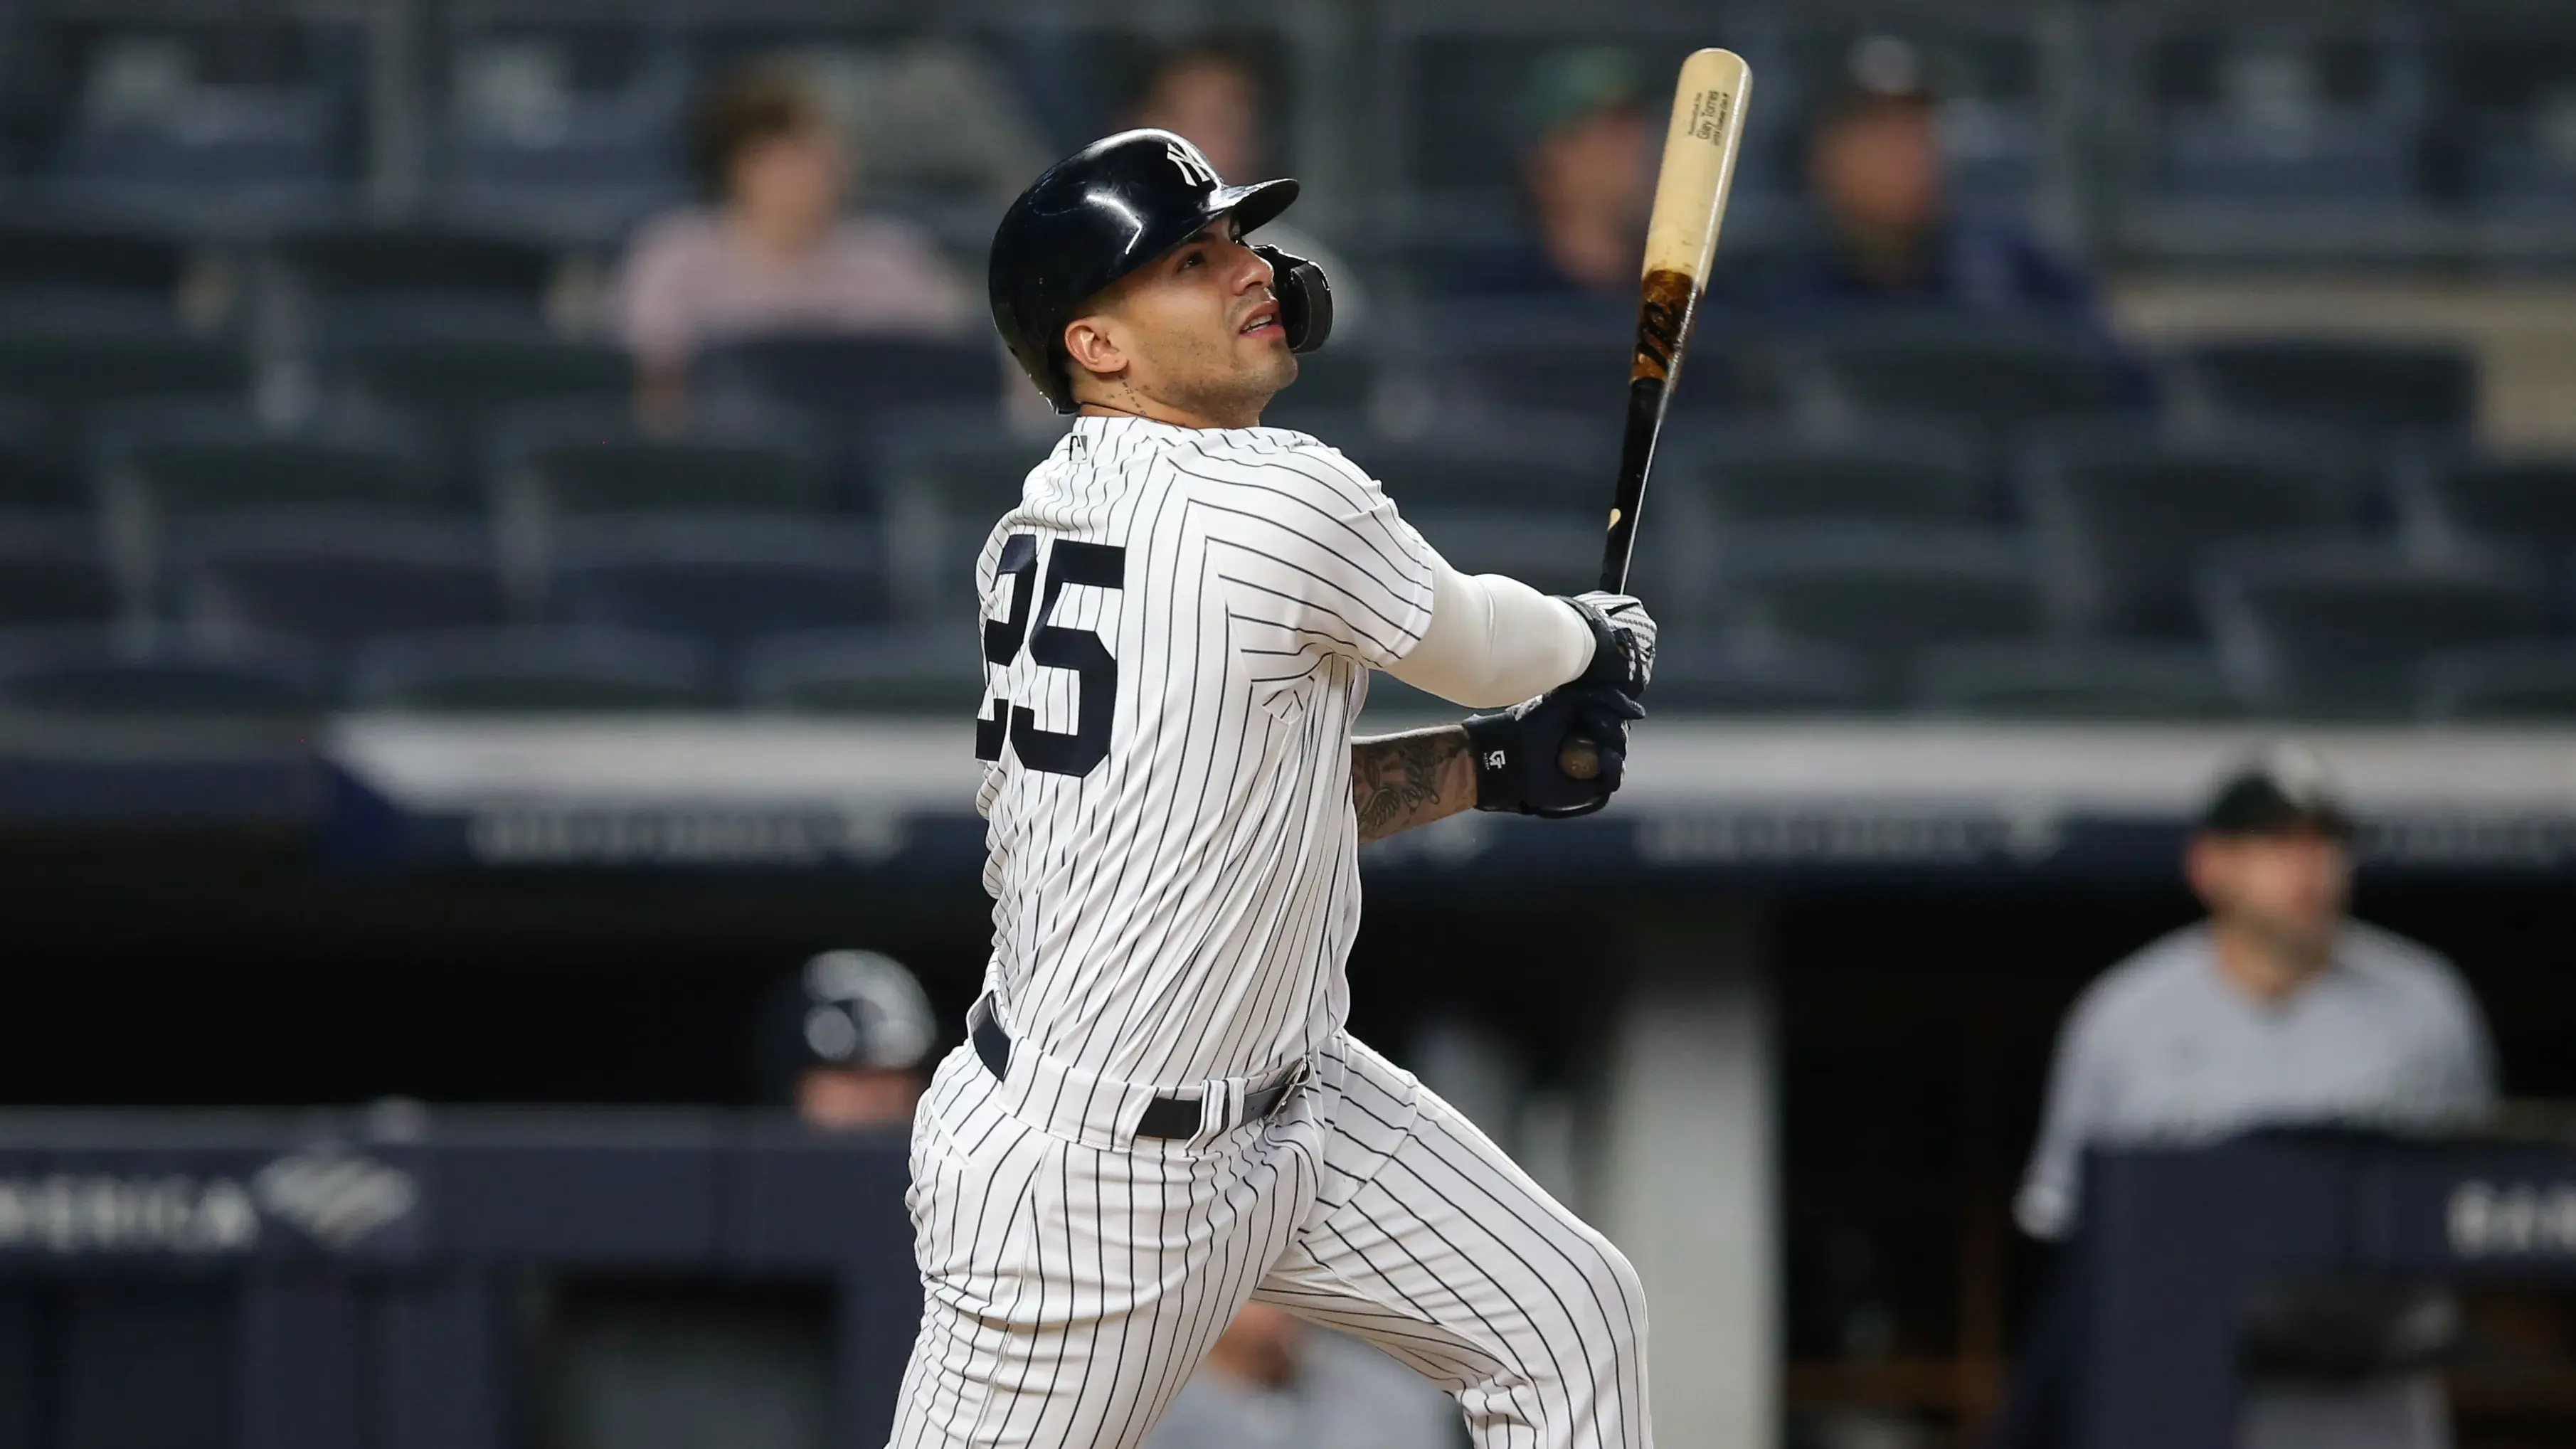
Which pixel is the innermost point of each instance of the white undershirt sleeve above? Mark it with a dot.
(1493, 641)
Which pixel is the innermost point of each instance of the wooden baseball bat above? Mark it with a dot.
(1690, 201)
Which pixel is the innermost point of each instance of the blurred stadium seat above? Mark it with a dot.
(1531, 468)
(69, 368)
(2506, 81)
(1746, 676)
(2524, 500)
(52, 571)
(530, 668)
(1509, 358)
(242, 120)
(34, 471)
(90, 672)
(44, 264)
(463, 377)
(1992, 374)
(721, 581)
(348, 277)
(182, 463)
(1890, 473)
(2316, 115)
(1881, 592)
(904, 669)
(2059, 679)
(2499, 682)
(337, 576)
(456, 384)
(945, 479)
(579, 462)
(2373, 387)
(847, 381)
(2341, 157)
(575, 126)
(2126, 511)
(958, 466)
(2338, 628)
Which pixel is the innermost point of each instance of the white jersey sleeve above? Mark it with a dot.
(1311, 550)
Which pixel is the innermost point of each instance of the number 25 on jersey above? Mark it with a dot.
(1052, 646)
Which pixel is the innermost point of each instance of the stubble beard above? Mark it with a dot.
(1240, 391)
(2300, 945)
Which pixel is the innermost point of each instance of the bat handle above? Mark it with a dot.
(1579, 759)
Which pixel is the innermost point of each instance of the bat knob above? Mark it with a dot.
(1579, 759)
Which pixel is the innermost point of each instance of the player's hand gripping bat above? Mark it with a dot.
(1690, 201)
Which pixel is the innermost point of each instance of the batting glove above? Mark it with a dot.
(1623, 642)
(1515, 750)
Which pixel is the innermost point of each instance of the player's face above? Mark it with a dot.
(1880, 170)
(1195, 331)
(846, 1099)
(2290, 887)
(791, 184)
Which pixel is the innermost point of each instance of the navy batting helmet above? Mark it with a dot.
(859, 1010)
(1110, 208)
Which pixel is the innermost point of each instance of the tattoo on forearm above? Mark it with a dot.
(1401, 781)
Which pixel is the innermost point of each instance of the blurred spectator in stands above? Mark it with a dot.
(1214, 97)
(1893, 237)
(775, 252)
(1272, 1382)
(1587, 175)
(844, 1040)
(2279, 1010)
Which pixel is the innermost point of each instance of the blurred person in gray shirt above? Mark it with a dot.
(1273, 1382)
(2278, 1010)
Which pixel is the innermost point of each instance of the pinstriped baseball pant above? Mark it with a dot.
(1070, 1288)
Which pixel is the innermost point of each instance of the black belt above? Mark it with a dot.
(1163, 1116)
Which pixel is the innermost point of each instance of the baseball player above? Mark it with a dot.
(844, 1041)
(1157, 1116)
(2279, 1009)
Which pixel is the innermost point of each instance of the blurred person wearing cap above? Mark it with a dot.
(1587, 159)
(1274, 1382)
(1213, 96)
(1893, 238)
(2278, 1010)
(777, 250)
(844, 1039)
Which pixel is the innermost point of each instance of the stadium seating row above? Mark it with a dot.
(86, 673)
(2319, 624)
(2115, 513)
(88, 314)
(576, 114)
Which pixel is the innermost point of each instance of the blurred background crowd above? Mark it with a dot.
(377, 355)
(535, 376)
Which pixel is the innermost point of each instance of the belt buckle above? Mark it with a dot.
(1297, 1076)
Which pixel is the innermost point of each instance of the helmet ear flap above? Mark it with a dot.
(1305, 298)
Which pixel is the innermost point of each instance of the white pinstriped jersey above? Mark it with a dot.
(1178, 629)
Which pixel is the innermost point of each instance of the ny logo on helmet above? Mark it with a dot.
(1194, 167)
